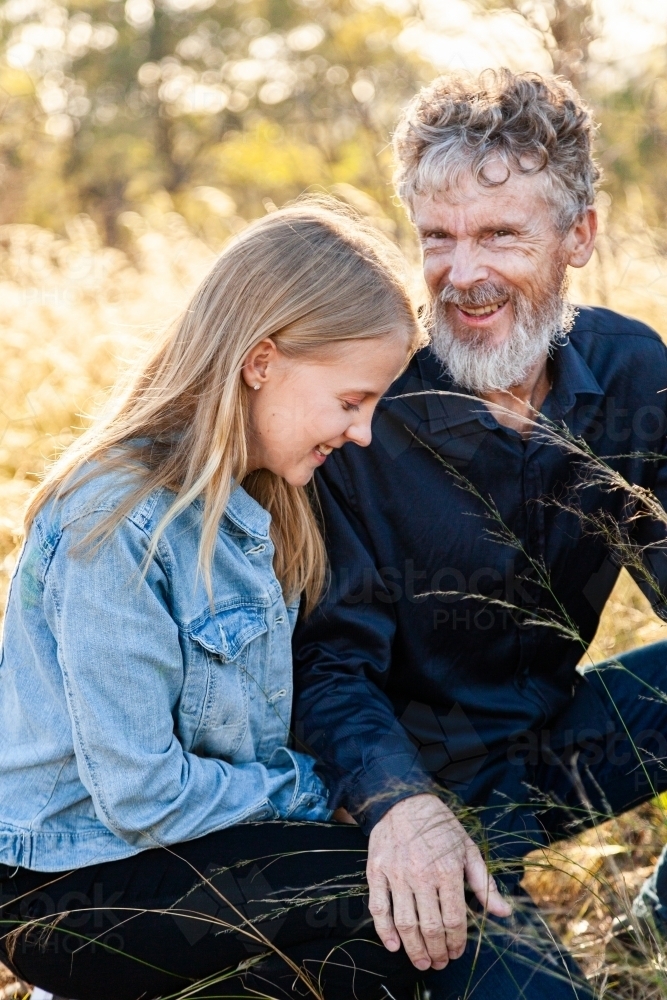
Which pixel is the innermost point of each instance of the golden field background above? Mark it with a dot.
(73, 312)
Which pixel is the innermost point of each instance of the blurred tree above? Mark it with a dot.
(633, 142)
(567, 28)
(632, 112)
(214, 107)
(219, 109)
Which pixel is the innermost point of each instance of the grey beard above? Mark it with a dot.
(478, 367)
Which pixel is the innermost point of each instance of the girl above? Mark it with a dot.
(145, 684)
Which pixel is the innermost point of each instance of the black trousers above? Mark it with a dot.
(155, 924)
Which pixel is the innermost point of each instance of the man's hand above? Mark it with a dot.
(418, 856)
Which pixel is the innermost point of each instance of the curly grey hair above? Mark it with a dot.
(459, 123)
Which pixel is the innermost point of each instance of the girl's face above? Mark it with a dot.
(304, 409)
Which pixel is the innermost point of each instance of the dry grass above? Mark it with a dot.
(72, 311)
(583, 883)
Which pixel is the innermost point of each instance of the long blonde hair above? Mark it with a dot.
(307, 276)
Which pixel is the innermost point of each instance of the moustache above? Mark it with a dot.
(485, 294)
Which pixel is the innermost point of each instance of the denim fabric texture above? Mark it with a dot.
(135, 713)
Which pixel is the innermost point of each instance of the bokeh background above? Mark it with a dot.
(137, 136)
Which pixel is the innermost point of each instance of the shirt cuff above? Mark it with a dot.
(376, 793)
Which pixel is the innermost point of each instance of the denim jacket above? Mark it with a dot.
(134, 713)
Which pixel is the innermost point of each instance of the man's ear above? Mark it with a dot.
(580, 241)
(258, 362)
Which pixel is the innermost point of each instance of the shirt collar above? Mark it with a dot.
(572, 378)
(447, 405)
(453, 405)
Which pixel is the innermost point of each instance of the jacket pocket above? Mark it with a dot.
(226, 633)
(216, 688)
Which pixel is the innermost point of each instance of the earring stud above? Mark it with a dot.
(256, 386)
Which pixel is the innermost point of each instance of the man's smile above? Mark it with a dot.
(485, 310)
(480, 315)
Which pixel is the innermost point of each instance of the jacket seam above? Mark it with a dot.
(189, 628)
(45, 805)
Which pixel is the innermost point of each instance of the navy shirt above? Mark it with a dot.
(469, 566)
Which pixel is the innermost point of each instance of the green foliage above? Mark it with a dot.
(218, 109)
(124, 106)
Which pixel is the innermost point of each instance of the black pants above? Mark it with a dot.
(154, 924)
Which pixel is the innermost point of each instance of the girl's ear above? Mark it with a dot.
(258, 363)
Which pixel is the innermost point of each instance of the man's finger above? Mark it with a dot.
(482, 884)
(454, 917)
(379, 904)
(432, 928)
(407, 925)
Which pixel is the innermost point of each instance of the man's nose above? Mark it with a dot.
(466, 267)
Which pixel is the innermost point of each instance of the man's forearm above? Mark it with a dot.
(363, 752)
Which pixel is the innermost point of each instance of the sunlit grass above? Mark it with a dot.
(71, 313)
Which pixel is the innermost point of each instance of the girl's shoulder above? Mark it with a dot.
(94, 490)
(96, 494)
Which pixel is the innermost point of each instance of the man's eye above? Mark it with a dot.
(351, 407)
(503, 232)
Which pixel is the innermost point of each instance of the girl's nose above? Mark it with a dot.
(360, 433)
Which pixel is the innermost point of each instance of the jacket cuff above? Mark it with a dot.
(308, 801)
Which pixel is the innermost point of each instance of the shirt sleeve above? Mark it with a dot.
(122, 667)
(342, 659)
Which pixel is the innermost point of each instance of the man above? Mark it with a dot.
(515, 467)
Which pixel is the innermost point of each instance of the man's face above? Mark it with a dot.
(495, 265)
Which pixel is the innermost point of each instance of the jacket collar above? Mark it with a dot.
(247, 514)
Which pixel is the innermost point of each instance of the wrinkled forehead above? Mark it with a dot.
(502, 196)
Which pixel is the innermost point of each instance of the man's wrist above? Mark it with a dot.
(369, 813)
